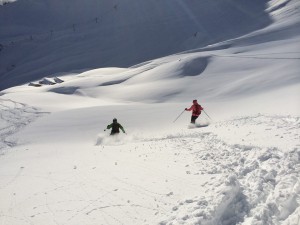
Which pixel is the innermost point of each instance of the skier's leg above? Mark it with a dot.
(193, 119)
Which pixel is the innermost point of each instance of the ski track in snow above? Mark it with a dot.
(13, 117)
(258, 185)
(256, 182)
(247, 183)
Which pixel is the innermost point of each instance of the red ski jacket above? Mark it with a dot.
(196, 108)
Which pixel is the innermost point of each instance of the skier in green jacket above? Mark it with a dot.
(115, 127)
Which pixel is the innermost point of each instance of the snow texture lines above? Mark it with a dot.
(249, 184)
(13, 117)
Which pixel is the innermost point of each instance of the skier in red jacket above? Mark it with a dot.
(196, 108)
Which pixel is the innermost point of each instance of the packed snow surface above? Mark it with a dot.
(238, 165)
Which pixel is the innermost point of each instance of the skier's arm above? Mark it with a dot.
(109, 126)
(189, 109)
(122, 128)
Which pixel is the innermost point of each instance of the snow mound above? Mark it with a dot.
(194, 66)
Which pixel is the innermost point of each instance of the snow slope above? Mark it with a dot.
(69, 35)
(3, 2)
(242, 166)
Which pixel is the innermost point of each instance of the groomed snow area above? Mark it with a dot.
(240, 165)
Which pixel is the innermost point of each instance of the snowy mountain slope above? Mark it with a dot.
(234, 73)
(240, 167)
(60, 36)
(3, 2)
(58, 175)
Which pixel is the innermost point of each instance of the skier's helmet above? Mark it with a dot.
(195, 101)
(115, 120)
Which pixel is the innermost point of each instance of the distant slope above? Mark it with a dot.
(3, 2)
(39, 38)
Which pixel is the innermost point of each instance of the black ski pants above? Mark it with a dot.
(193, 119)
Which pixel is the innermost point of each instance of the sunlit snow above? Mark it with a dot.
(240, 164)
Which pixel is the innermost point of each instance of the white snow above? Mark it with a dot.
(239, 164)
(42, 38)
(3, 2)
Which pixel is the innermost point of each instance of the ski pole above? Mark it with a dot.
(178, 116)
(207, 114)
